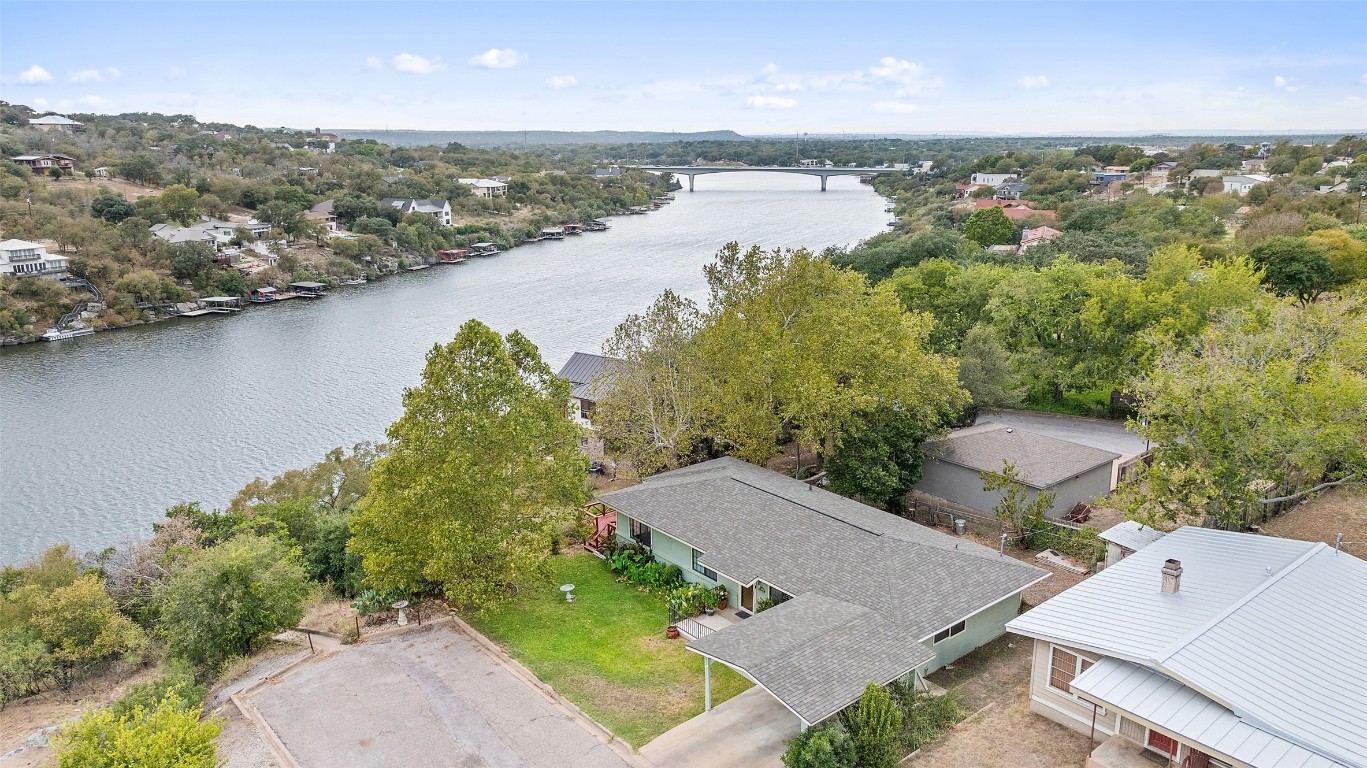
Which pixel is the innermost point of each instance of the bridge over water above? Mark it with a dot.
(824, 172)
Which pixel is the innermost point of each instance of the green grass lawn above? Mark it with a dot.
(606, 651)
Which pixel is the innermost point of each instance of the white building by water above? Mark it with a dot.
(22, 258)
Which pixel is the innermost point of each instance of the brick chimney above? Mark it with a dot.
(1172, 576)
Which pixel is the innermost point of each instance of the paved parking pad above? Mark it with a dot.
(431, 697)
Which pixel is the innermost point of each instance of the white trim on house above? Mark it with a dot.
(985, 607)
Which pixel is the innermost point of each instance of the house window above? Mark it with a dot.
(1064, 666)
(778, 596)
(640, 532)
(700, 568)
(945, 634)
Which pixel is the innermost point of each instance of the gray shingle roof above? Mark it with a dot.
(1041, 461)
(751, 523)
(1269, 629)
(789, 649)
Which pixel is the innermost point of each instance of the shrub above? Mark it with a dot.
(875, 726)
(690, 599)
(178, 680)
(25, 665)
(924, 717)
(826, 746)
(168, 735)
(764, 605)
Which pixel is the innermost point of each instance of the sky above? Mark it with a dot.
(756, 68)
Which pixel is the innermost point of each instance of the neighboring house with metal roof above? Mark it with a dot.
(1073, 472)
(858, 595)
(1210, 648)
(582, 370)
(1124, 539)
(441, 209)
(55, 123)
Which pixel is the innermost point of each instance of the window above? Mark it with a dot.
(945, 634)
(1063, 667)
(640, 531)
(778, 596)
(700, 568)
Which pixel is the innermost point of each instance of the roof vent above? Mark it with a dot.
(1172, 576)
(1009, 429)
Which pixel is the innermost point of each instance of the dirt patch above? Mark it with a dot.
(324, 615)
(994, 683)
(128, 189)
(22, 718)
(1338, 510)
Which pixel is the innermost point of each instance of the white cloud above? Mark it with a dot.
(909, 78)
(770, 102)
(84, 101)
(94, 75)
(497, 58)
(1031, 82)
(562, 81)
(417, 65)
(373, 62)
(35, 75)
(894, 108)
(1286, 83)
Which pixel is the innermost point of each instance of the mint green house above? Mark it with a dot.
(858, 595)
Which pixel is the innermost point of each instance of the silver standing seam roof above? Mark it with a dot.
(582, 371)
(1042, 461)
(1270, 632)
(1131, 535)
(892, 583)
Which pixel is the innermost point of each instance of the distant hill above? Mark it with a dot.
(529, 138)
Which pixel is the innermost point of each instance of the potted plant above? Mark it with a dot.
(672, 632)
(722, 598)
(709, 601)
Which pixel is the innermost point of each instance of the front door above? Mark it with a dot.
(1162, 744)
(747, 598)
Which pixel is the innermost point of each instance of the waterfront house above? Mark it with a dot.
(55, 123)
(45, 163)
(834, 594)
(1210, 649)
(954, 464)
(1011, 190)
(584, 372)
(1240, 185)
(440, 209)
(488, 188)
(992, 179)
(21, 258)
(324, 214)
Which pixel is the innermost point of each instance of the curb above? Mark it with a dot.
(598, 730)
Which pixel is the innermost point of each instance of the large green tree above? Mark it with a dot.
(1294, 266)
(989, 226)
(795, 346)
(1256, 409)
(180, 204)
(483, 471)
(231, 596)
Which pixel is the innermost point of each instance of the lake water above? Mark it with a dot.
(98, 435)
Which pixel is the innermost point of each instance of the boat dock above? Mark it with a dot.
(215, 305)
(484, 249)
(309, 289)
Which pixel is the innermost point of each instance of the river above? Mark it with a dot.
(98, 435)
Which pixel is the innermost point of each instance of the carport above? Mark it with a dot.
(748, 731)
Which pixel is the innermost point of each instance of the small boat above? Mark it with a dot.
(56, 334)
(354, 281)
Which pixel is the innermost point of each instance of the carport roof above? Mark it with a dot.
(816, 654)
(1042, 461)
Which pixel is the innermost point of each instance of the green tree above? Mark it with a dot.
(875, 726)
(168, 736)
(82, 626)
(985, 370)
(111, 207)
(483, 471)
(140, 169)
(649, 409)
(1294, 266)
(989, 226)
(26, 666)
(878, 460)
(285, 216)
(230, 596)
(1016, 507)
(188, 261)
(1255, 409)
(180, 203)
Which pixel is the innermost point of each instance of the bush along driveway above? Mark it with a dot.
(606, 652)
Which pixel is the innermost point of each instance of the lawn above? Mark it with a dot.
(606, 651)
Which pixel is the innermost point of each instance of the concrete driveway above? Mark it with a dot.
(747, 731)
(431, 697)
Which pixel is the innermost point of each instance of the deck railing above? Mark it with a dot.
(689, 626)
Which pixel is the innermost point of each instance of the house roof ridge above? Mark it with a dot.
(807, 507)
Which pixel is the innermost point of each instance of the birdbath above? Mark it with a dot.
(568, 589)
(401, 606)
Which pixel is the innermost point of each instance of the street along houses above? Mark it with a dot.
(1210, 649)
(830, 594)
